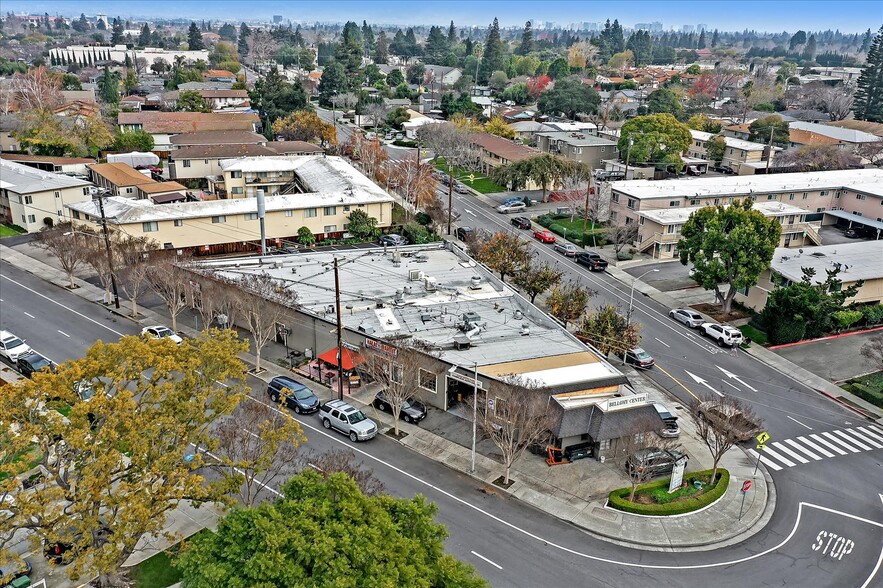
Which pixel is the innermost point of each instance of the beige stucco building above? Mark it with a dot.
(741, 155)
(28, 196)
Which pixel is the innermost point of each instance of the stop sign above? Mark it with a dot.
(746, 485)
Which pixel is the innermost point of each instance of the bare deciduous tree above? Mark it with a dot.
(38, 89)
(261, 46)
(377, 112)
(721, 424)
(257, 445)
(171, 283)
(414, 181)
(514, 415)
(639, 437)
(132, 265)
(621, 235)
(263, 304)
(399, 376)
(210, 297)
(69, 246)
(817, 158)
(871, 151)
(455, 145)
(342, 461)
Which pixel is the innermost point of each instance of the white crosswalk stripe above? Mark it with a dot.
(802, 448)
(769, 463)
(781, 447)
(853, 439)
(814, 447)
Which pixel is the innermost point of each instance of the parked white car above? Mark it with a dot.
(691, 318)
(512, 207)
(11, 347)
(161, 332)
(725, 335)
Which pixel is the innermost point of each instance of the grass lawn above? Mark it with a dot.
(756, 336)
(156, 572)
(575, 225)
(7, 231)
(481, 184)
(33, 456)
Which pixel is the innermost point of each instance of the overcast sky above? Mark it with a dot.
(760, 15)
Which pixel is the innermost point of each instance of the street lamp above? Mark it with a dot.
(628, 320)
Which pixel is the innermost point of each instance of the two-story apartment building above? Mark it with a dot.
(59, 165)
(802, 201)
(218, 137)
(199, 162)
(120, 179)
(29, 196)
(497, 151)
(165, 125)
(580, 147)
(741, 155)
(316, 192)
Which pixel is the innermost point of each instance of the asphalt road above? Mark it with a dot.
(512, 544)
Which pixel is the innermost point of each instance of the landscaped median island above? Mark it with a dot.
(654, 499)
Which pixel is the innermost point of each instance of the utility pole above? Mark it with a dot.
(769, 154)
(474, 412)
(339, 332)
(113, 280)
(628, 153)
(261, 214)
(450, 194)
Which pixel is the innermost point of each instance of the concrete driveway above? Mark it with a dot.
(835, 359)
(670, 277)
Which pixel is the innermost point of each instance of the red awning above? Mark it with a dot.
(350, 358)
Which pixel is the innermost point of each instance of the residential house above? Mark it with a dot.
(34, 199)
(222, 137)
(132, 103)
(526, 131)
(72, 166)
(159, 192)
(859, 125)
(313, 191)
(802, 201)
(737, 131)
(294, 148)
(164, 125)
(218, 75)
(9, 125)
(584, 148)
(197, 162)
(119, 179)
(858, 261)
(848, 138)
(217, 100)
(441, 75)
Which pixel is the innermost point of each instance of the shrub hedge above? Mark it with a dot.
(865, 393)
(618, 499)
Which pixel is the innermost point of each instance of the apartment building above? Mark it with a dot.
(577, 146)
(217, 137)
(309, 191)
(30, 197)
(803, 202)
(165, 125)
(496, 151)
(120, 179)
(59, 165)
(198, 162)
(741, 155)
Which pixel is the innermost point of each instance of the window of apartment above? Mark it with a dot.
(59, 212)
(823, 193)
(129, 190)
(822, 209)
(668, 248)
(58, 194)
(670, 229)
(641, 221)
(86, 191)
(236, 190)
(205, 161)
(346, 208)
(311, 212)
(614, 215)
(674, 203)
(694, 202)
(805, 195)
(23, 219)
(857, 213)
(717, 201)
(289, 213)
(862, 197)
(754, 197)
(330, 228)
(219, 219)
(837, 195)
(179, 222)
(631, 203)
(76, 214)
(150, 227)
(185, 163)
(790, 196)
(251, 216)
(835, 208)
(577, 150)
(615, 197)
(771, 197)
(32, 218)
(236, 174)
(427, 380)
(330, 211)
(29, 199)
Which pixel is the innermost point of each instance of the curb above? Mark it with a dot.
(838, 400)
(828, 338)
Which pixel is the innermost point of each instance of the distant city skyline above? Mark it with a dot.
(851, 16)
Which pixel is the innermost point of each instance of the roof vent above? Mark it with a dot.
(475, 283)
(518, 315)
(525, 330)
(415, 275)
(429, 284)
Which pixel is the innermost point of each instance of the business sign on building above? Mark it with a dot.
(465, 379)
(624, 402)
(381, 347)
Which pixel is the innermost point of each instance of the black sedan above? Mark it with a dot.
(413, 411)
(521, 222)
(33, 362)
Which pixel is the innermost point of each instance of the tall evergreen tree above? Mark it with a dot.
(333, 82)
(809, 52)
(492, 58)
(381, 48)
(367, 37)
(866, 41)
(436, 45)
(452, 34)
(144, 37)
(701, 42)
(116, 35)
(715, 39)
(349, 52)
(242, 44)
(869, 89)
(526, 40)
(194, 38)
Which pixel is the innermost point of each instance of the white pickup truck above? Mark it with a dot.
(347, 419)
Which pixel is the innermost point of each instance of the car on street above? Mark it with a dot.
(11, 347)
(639, 358)
(544, 236)
(33, 362)
(512, 207)
(161, 332)
(591, 260)
(412, 411)
(393, 240)
(725, 335)
(652, 462)
(465, 233)
(691, 318)
(745, 426)
(460, 188)
(521, 222)
(293, 394)
(567, 249)
(513, 200)
(352, 422)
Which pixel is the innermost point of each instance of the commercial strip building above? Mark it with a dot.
(313, 191)
(465, 319)
(803, 203)
(28, 196)
(859, 261)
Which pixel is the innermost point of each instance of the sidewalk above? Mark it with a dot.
(575, 492)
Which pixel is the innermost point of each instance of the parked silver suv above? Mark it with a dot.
(347, 419)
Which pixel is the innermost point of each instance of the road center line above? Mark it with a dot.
(29, 314)
(798, 422)
(476, 554)
(65, 334)
(661, 341)
(80, 314)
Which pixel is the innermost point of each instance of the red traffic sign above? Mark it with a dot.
(746, 485)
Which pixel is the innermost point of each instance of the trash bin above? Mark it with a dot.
(21, 582)
(697, 484)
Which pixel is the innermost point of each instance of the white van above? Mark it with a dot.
(11, 347)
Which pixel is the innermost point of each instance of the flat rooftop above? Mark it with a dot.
(865, 180)
(576, 138)
(443, 298)
(669, 216)
(862, 260)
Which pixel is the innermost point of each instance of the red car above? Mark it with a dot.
(544, 236)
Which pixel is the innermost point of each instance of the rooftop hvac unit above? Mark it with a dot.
(475, 283)
(415, 275)
(429, 284)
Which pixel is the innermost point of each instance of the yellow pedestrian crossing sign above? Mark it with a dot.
(763, 437)
(761, 446)
(471, 178)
